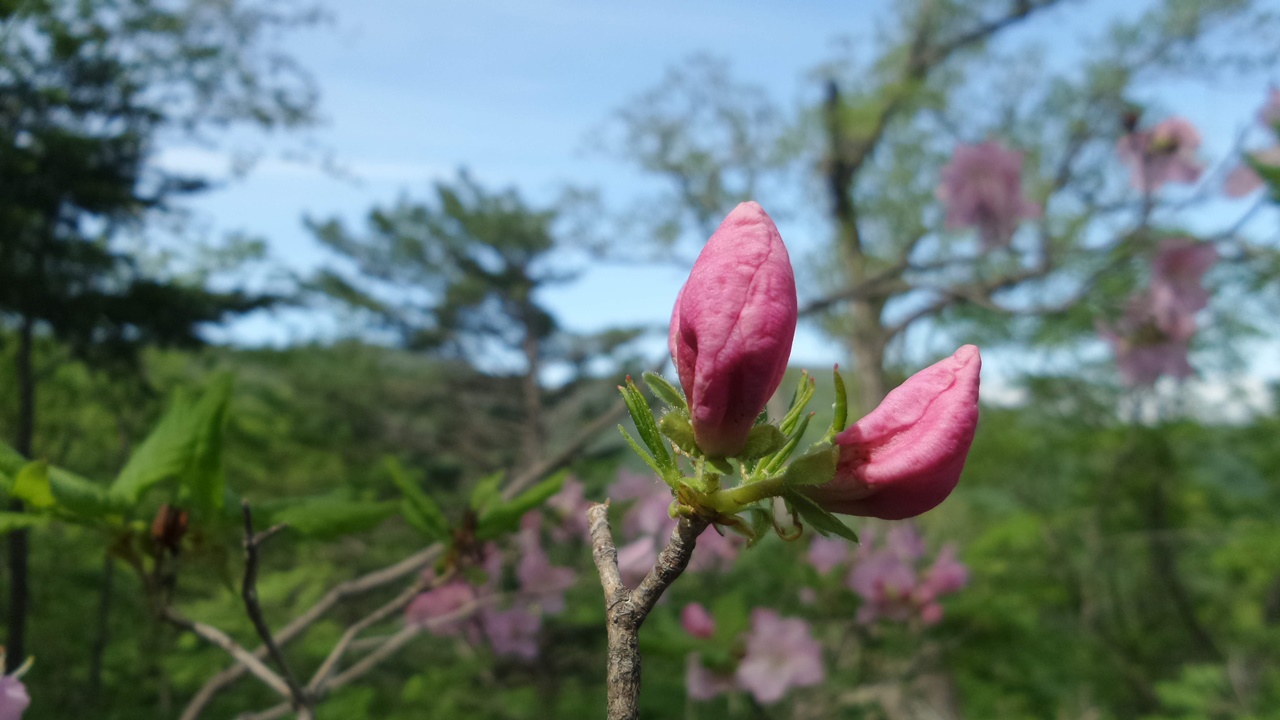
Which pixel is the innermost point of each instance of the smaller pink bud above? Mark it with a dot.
(905, 457)
(697, 621)
(732, 327)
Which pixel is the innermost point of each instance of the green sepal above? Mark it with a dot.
(761, 523)
(841, 409)
(819, 519)
(665, 391)
(31, 485)
(720, 465)
(675, 425)
(813, 468)
(419, 510)
(505, 518)
(762, 440)
(799, 401)
(642, 417)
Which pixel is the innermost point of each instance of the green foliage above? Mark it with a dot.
(186, 444)
(329, 516)
(418, 508)
(503, 518)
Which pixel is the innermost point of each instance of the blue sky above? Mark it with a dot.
(413, 90)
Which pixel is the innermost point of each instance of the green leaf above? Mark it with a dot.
(486, 492)
(506, 518)
(331, 516)
(813, 468)
(646, 457)
(762, 440)
(186, 444)
(418, 508)
(675, 425)
(32, 486)
(799, 401)
(819, 519)
(85, 497)
(10, 521)
(775, 462)
(665, 391)
(642, 416)
(841, 409)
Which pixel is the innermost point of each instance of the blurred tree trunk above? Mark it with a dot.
(534, 433)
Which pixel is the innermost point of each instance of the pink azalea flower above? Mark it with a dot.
(636, 559)
(1244, 180)
(540, 581)
(13, 698)
(704, 684)
(632, 486)
(886, 585)
(441, 601)
(697, 621)
(1142, 358)
(570, 506)
(780, 654)
(512, 632)
(905, 457)
(715, 551)
(1163, 154)
(1176, 293)
(981, 188)
(732, 327)
(946, 575)
(827, 553)
(904, 542)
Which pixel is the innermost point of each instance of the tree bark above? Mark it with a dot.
(534, 434)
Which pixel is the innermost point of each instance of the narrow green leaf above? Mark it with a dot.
(774, 463)
(506, 518)
(32, 486)
(418, 508)
(841, 410)
(813, 468)
(762, 440)
(331, 516)
(824, 522)
(667, 392)
(799, 401)
(675, 425)
(642, 416)
(648, 459)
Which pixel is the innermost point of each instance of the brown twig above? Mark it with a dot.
(247, 661)
(626, 610)
(249, 592)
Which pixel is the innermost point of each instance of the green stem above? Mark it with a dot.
(734, 499)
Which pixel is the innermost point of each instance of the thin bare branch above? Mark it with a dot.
(248, 661)
(249, 593)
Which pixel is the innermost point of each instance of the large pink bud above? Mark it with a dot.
(732, 328)
(905, 457)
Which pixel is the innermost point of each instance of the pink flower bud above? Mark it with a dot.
(905, 457)
(732, 327)
(697, 621)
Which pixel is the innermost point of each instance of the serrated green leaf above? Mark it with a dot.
(642, 417)
(813, 468)
(646, 457)
(186, 444)
(31, 486)
(10, 521)
(328, 516)
(762, 440)
(819, 519)
(675, 425)
(506, 518)
(665, 391)
(418, 508)
(486, 492)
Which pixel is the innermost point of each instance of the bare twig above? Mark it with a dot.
(249, 592)
(626, 610)
(340, 592)
(248, 661)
